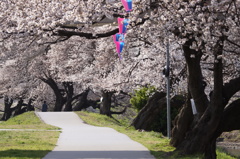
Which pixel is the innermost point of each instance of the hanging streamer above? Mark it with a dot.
(122, 25)
(119, 44)
(127, 4)
(118, 37)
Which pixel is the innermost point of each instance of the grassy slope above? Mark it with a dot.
(26, 144)
(155, 142)
(27, 120)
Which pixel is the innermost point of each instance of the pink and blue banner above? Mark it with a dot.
(122, 25)
(117, 38)
(119, 46)
(119, 41)
(127, 4)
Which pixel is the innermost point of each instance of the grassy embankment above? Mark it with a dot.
(29, 144)
(155, 142)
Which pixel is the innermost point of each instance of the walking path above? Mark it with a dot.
(82, 141)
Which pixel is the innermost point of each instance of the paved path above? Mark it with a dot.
(82, 141)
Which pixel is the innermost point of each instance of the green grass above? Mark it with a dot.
(26, 120)
(221, 154)
(155, 142)
(36, 144)
(26, 144)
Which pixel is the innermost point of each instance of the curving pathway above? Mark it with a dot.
(82, 141)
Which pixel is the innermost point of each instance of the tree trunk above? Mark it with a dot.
(201, 138)
(60, 99)
(69, 90)
(7, 108)
(83, 102)
(148, 113)
(231, 118)
(105, 107)
(196, 84)
(29, 105)
(182, 123)
(18, 108)
(152, 117)
(185, 120)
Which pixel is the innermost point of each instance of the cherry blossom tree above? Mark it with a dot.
(97, 66)
(207, 31)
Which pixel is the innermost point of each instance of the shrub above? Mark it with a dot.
(141, 96)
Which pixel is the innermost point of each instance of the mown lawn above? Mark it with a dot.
(28, 144)
(28, 120)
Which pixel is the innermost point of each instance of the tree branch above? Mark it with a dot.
(230, 120)
(231, 42)
(94, 36)
(230, 88)
(86, 35)
(195, 78)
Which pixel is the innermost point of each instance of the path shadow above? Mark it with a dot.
(77, 154)
(23, 153)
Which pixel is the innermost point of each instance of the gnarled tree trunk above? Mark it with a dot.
(29, 105)
(18, 108)
(68, 87)
(7, 108)
(60, 99)
(83, 102)
(182, 123)
(151, 116)
(148, 113)
(200, 136)
(105, 107)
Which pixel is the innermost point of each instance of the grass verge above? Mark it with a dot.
(27, 120)
(26, 144)
(157, 144)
